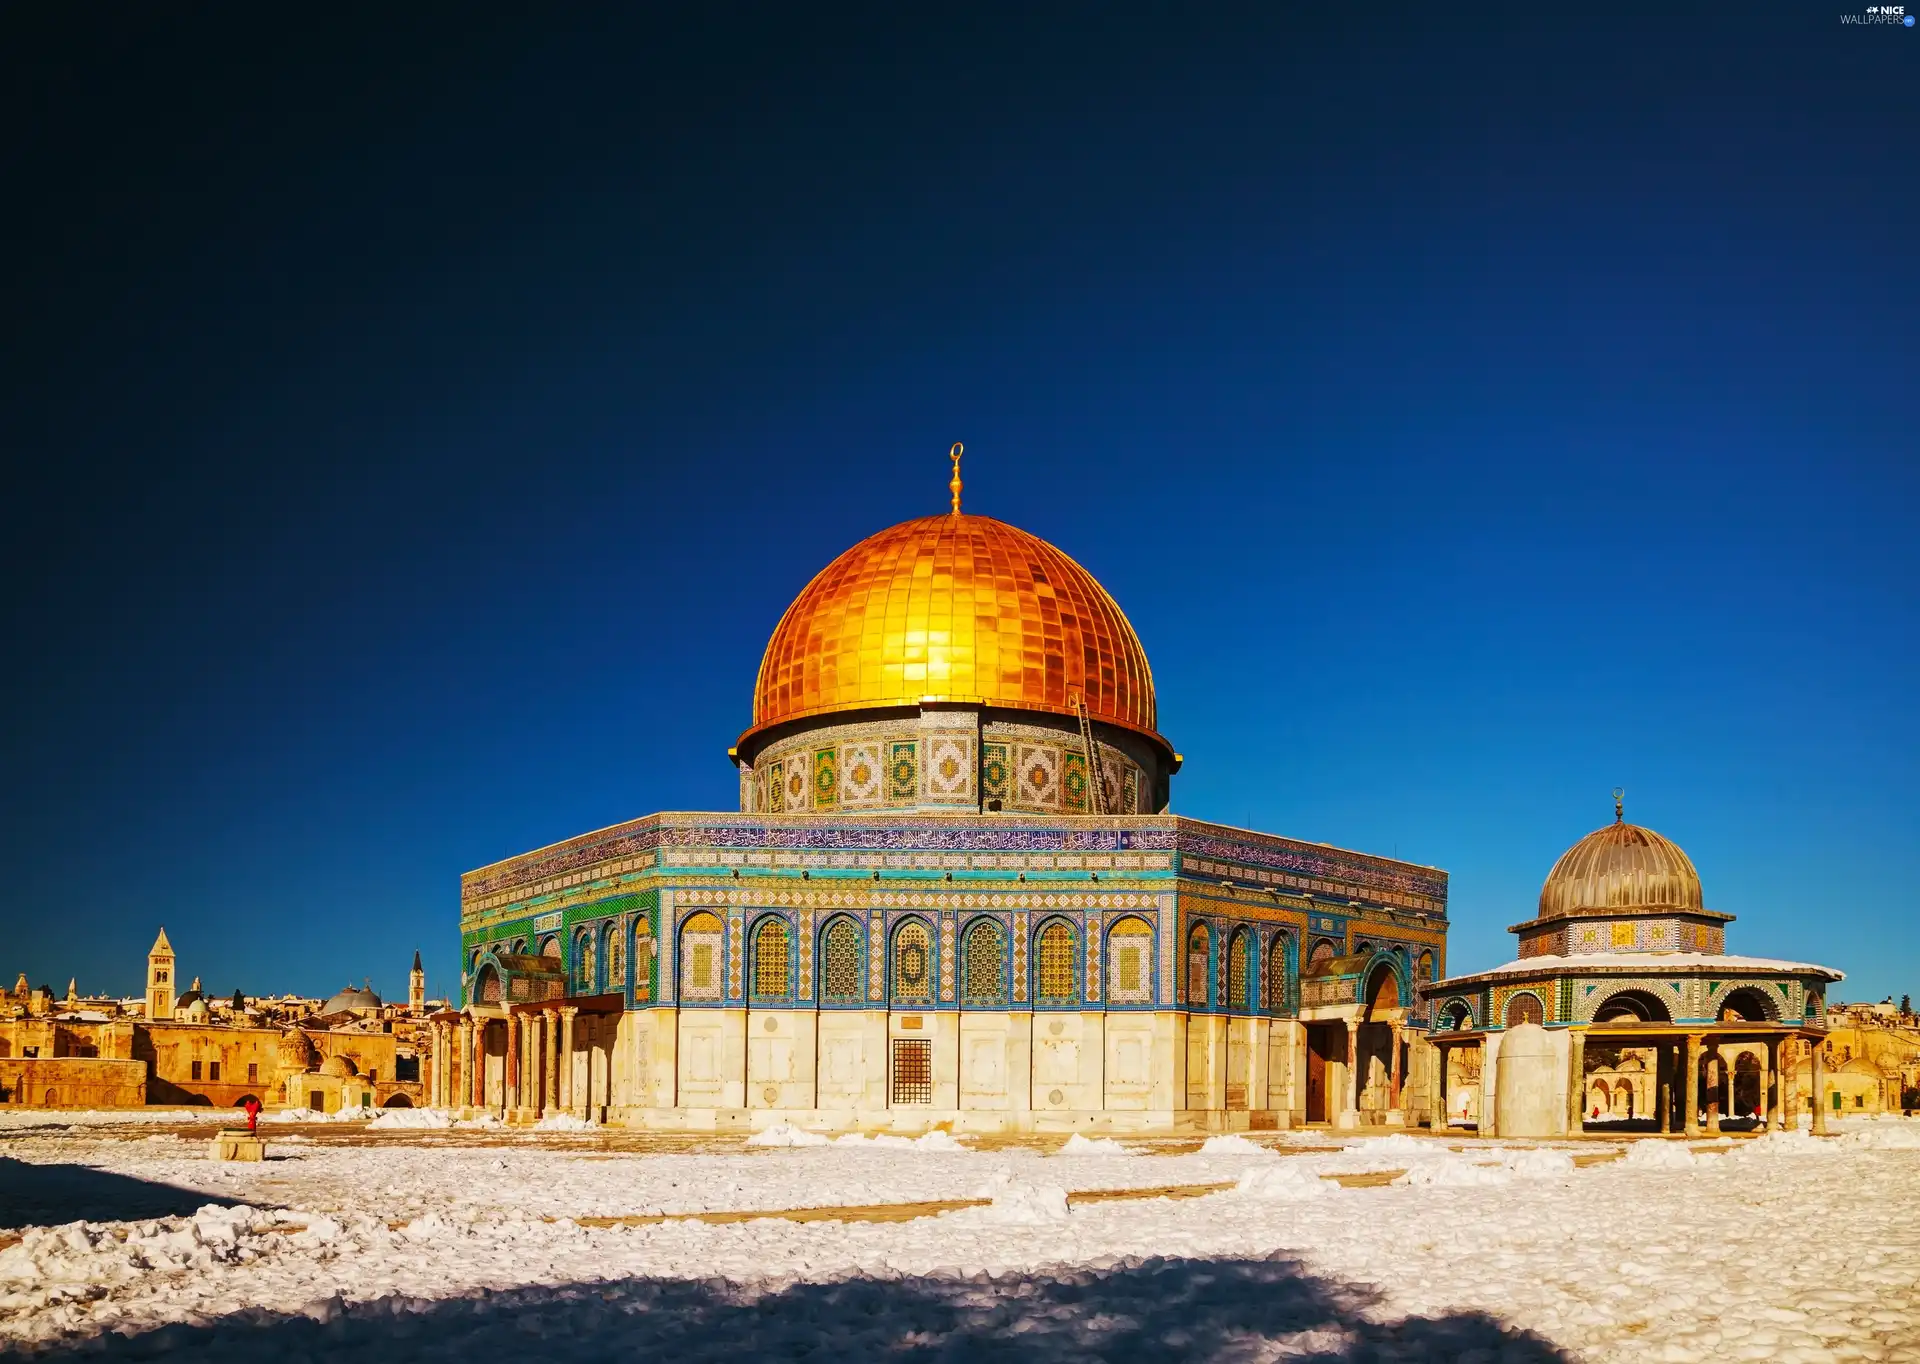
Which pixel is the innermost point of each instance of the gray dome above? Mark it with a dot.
(353, 997)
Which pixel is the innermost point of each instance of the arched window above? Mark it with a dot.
(519, 948)
(1456, 1016)
(1198, 965)
(583, 962)
(1240, 969)
(984, 961)
(1323, 951)
(1055, 952)
(486, 985)
(842, 964)
(913, 964)
(550, 947)
(1423, 970)
(642, 959)
(614, 950)
(701, 963)
(1130, 962)
(772, 958)
(1273, 981)
(1525, 1008)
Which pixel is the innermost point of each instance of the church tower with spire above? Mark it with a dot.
(417, 986)
(160, 980)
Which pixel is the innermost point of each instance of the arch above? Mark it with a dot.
(1240, 976)
(1130, 961)
(486, 984)
(613, 955)
(1056, 958)
(518, 947)
(397, 1101)
(1199, 966)
(1629, 1005)
(1749, 1004)
(583, 961)
(1748, 1098)
(772, 940)
(1423, 969)
(1456, 1015)
(243, 1100)
(983, 962)
(1273, 979)
(843, 961)
(1525, 1007)
(550, 946)
(643, 956)
(912, 962)
(702, 962)
(1382, 991)
(1622, 1099)
(1323, 951)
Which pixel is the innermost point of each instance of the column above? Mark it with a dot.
(1819, 1045)
(550, 1022)
(1690, 1096)
(511, 1098)
(466, 1060)
(1777, 1109)
(1351, 1108)
(1662, 1089)
(1437, 1089)
(1577, 1065)
(1393, 1068)
(567, 1013)
(1716, 1102)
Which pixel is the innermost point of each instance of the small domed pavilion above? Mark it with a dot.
(1627, 971)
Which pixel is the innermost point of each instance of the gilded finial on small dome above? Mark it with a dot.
(1619, 804)
(954, 455)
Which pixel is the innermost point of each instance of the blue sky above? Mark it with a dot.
(426, 427)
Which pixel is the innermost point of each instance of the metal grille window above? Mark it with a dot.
(700, 963)
(912, 963)
(642, 961)
(985, 959)
(616, 956)
(1239, 964)
(912, 1070)
(1197, 965)
(583, 961)
(1056, 964)
(770, 959)
(1273, 984)
(840, 955)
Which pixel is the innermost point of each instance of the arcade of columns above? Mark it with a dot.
(535, 1074)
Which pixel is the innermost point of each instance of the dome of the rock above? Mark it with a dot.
(1622, 866)
(954, 608)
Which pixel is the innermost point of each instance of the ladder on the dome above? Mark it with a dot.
(1096, 778)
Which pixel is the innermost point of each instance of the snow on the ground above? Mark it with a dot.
(1779, 1248)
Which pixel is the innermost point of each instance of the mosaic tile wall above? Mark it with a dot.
(1585, 936)
(918, 763)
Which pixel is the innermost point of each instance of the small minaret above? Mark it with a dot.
(417, 986)
(73, 992)
(160, 980)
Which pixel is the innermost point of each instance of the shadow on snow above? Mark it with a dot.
(48, 1195)
(1162, 1310)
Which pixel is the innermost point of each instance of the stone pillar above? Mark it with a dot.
(1577, 1074)
(1393, 1068)
(567, 1015)
(1716, 1099)
(511, 1098)
(1690, 1095)
(1662, 1093)
(1777, 1109)
(550, 1022)
(1819, 1045)
(466, 1060)
(1350, 1106)
(1437, 1089)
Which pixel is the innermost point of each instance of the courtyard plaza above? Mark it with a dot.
(435, 1239)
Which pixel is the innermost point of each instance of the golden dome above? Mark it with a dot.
(1620, 867)
(958, 608)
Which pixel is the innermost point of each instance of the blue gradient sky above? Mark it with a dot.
(418, 429)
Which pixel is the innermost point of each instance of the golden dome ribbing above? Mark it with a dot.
(1620, 867)
(957, 608)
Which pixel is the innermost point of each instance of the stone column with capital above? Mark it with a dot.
(1819, 1046)
(1437, 1089)
(1690, 1094)
(511, 1099)
(1393, 1068)
(1350, 1109)
(466, 1061)
(551, 1022)
(1577, 1080)
(1777, 1108)
(1716, 1095)
(567, 1015)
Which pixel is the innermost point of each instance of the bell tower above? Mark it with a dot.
(160, 980)
(417, 986)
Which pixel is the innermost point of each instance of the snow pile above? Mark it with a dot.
(1455, 1172)
(1654, 1154)
(1077, 1145)
(103, 1118)
(486, 1122)
(1775, 1145)
(1232, 1144)
(1897, 1136)
(1018, 1203)
(564, 1122)
(1283, 1180)
(781, 1134)
(395, 1119)
(1399, 1144)
(935, 1140)
(50, 1263)
(1537, 1162)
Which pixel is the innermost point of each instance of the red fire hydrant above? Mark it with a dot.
(253, 1113)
